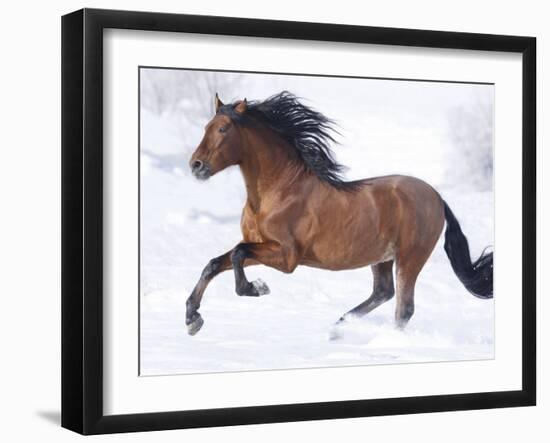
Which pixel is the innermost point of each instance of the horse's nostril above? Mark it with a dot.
(197, 164)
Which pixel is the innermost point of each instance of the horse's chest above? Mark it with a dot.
(251, 228)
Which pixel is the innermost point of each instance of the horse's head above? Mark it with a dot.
(221, 144)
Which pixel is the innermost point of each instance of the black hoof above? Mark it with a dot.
(253, 289)
(195, 324)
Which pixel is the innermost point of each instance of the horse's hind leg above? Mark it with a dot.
(404, 308)
(383, 290)
(406, 275)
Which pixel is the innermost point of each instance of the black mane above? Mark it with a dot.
(308, 131)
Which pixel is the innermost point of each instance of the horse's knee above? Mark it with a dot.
(211, 268)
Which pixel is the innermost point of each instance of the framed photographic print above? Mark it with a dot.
(228, 183)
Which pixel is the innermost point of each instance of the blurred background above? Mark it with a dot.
(440, 132)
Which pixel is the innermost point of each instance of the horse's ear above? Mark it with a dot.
(241, 107)
(217, 103)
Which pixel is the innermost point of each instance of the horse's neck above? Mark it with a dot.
(267, 163)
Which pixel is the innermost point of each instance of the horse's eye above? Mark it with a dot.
(222, 129)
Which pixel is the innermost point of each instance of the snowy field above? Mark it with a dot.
(396, 127)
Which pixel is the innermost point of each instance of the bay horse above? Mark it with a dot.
(300, 211)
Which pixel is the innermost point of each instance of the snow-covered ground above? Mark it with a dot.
(185, 223)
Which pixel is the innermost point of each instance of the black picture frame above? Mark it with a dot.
(82, 220)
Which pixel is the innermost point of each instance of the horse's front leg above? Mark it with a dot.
(270, 254)
(193, 319)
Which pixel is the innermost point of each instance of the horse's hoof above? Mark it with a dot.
(335, 332)
(195, 325)
(260, 287)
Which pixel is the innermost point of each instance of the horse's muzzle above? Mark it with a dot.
(200, 170)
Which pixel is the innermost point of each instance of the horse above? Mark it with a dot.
(300, 211)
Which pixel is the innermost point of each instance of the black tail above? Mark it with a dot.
(477, 277)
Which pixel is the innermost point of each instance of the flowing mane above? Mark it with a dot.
(309, 132)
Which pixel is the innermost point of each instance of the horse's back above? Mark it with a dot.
(401, 189)
(374, 222)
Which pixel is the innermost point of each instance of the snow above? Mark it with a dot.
(185, 223)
